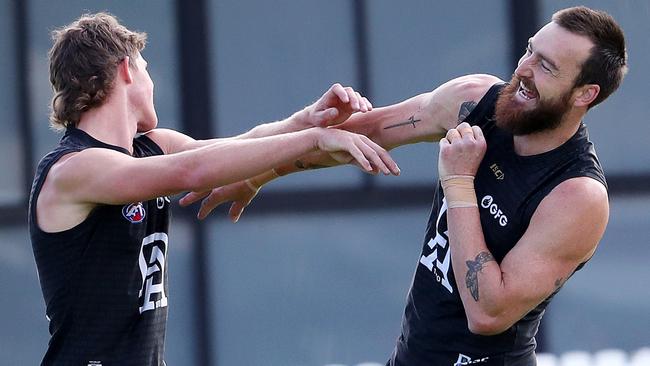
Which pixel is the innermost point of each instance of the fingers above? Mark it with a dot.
(363, 107)
(236, 209)
(355, 101)
(211, 202)
(340, 92)
(461, 151)
(354, 97)
(367, 103)
(370, 156)
(464, 131)
(321, 117)
(452, 135)
(380, 158)
(192, 197)
(478, 133)
(359, 156)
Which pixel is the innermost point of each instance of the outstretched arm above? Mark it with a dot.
(425, 117)
(336, 105)
(80, 181)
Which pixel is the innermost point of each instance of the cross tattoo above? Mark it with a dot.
(410, 121)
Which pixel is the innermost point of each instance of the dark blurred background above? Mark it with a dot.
(317, 269)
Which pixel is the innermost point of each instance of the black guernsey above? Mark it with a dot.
(508, 188)
(104, 281)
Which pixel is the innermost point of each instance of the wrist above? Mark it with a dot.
(256, 182)
(285, 169)
(300, 119)
(459, 191)
(315, 134)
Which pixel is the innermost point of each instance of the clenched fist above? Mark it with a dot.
(461, 151)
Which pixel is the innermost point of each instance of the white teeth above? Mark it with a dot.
(525, 92)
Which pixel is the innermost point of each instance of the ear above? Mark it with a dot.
(586, 94)
(124, 71)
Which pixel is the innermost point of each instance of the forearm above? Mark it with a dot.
(291, 124)
(478, 276)
(411, 121)
(296, 122)
(226, 162)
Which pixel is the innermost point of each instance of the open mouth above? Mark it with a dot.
(526, 93)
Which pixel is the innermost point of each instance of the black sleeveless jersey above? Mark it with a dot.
(509, 188)
(104, 281)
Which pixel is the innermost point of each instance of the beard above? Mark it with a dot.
(512, 116)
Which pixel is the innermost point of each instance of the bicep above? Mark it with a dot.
(563, 233)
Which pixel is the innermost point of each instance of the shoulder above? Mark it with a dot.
(459, 96)
(464, 89)
(574, 215)
(470, 87)
(578, 194)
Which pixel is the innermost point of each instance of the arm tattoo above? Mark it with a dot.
(411, 121)
(474, 267)
(304, 166)
(465, 109)
(559, 282)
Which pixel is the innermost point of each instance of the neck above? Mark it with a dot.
(541, 142)
(111, 123)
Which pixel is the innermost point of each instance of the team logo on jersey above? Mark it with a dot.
(152, 268)
(498, 173)
(488, 203)
(134, 212)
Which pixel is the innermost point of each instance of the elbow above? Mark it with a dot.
(486, 325)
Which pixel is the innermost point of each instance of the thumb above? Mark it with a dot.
(321, 118)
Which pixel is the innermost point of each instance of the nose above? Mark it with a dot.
(523, 67)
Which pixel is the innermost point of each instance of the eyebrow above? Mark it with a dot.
(542, 56)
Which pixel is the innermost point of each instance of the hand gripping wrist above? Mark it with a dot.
(459, 191)
(256, 182)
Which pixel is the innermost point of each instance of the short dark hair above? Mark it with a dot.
(83, 64)
(607, 63)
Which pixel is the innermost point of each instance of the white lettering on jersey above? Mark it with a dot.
(466, 360)
(152, 270)
(432, 262)
(160, 202)
(488, 202)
